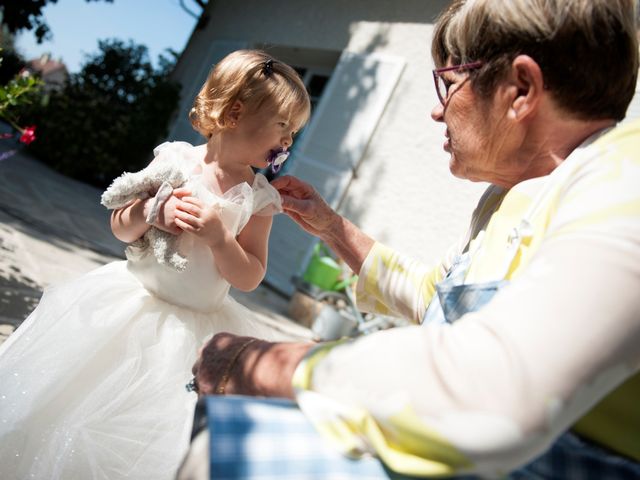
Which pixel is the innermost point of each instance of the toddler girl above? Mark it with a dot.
(92, 383)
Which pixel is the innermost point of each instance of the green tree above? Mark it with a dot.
(109, 116)
(20, 15)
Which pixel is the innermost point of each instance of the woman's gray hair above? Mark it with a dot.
(587, 49)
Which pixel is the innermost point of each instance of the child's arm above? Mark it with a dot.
(129, 223)
(241, 260)
(247, 271)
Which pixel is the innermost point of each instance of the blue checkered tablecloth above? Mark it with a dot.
(271, 439)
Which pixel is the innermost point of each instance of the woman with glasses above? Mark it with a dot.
(525, 356)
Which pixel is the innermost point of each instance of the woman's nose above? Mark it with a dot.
(437, 112)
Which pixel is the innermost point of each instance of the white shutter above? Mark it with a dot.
(330, 150)
(182, 129)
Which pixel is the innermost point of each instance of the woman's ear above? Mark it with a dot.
(528, 83)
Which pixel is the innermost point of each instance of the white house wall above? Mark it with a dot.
(403, 193)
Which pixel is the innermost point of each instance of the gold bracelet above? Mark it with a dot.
(227, 371)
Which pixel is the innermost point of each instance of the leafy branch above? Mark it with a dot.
(21, 90)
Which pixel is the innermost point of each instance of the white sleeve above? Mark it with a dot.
(501, 383)
(266, 199)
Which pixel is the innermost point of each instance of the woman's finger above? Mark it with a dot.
(302, 207)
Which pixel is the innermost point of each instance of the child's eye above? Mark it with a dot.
(282, 124)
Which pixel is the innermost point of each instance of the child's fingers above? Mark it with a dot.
(184, 226)
(181, 192)
(188, 207)
(185, 217)
(187, 226)
(194, 223)
(193, 201)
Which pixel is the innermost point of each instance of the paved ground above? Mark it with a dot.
(53, 228)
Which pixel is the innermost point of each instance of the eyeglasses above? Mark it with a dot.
(443, 85)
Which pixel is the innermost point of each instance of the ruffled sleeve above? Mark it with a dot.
(266, 199)
(236, 204)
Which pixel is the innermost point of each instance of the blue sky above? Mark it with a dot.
(77, 26)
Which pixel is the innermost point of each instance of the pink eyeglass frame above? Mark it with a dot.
(437, 72)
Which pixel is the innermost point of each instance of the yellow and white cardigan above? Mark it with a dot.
(493, 390)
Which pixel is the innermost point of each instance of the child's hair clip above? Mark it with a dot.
(277, 158)
(267, 68)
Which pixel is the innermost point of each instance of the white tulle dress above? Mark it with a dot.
(92, 384)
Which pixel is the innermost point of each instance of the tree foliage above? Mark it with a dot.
(27, 15)
(109, 116)
(17, 92)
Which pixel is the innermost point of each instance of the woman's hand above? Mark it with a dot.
(305, 205)
(192, 215)
(229, 364)
(309, 210)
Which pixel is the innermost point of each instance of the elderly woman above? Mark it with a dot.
(528, 352)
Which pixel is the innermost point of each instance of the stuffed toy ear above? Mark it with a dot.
(142, 184)
(121, 191)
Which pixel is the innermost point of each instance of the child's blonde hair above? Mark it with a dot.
(255, 79)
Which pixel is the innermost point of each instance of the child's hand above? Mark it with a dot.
(204, 221)
(166, 220)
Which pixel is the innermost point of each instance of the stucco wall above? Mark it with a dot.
(403, 193)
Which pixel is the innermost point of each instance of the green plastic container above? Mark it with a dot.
(323, 271)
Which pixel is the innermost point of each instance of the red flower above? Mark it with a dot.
(28, 135)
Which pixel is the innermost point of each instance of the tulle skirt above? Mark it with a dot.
(92, 384)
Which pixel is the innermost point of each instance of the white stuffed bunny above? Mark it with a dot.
(158, 179)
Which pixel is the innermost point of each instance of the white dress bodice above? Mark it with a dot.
(236, 205)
